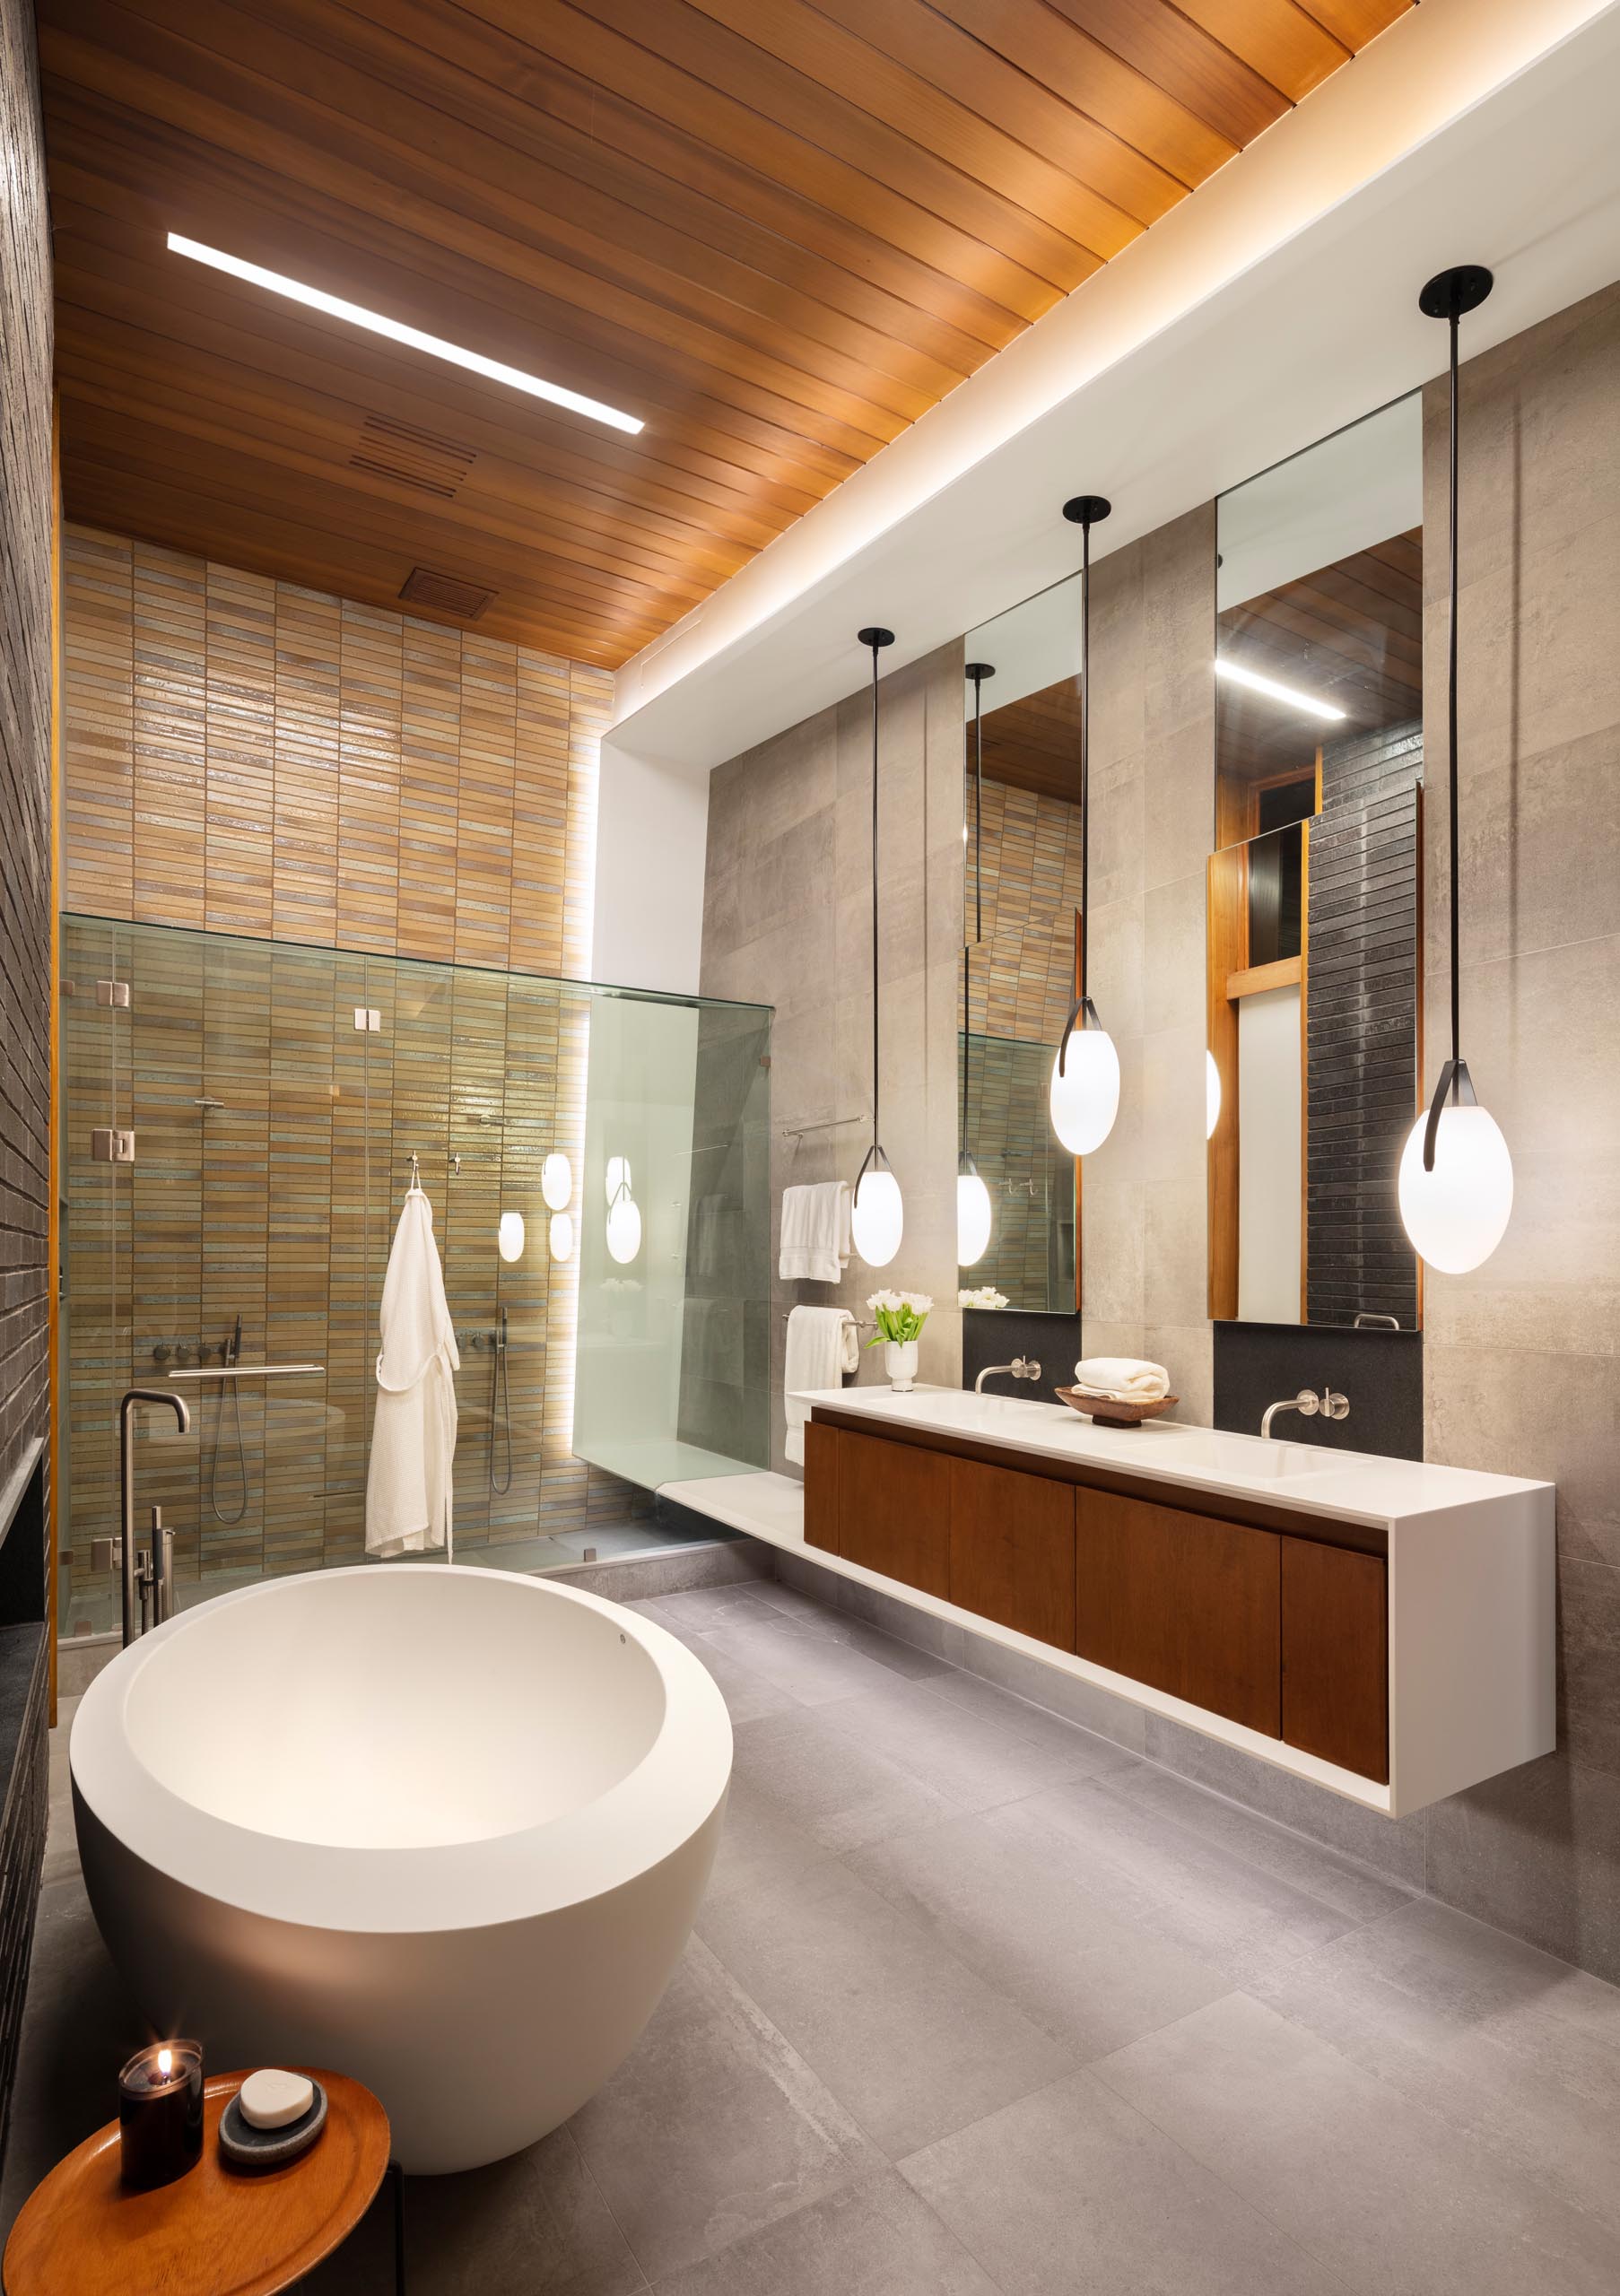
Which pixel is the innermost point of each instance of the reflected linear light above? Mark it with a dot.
(357, 315)
(1237, 675)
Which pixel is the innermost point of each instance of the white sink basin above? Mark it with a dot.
(1249, 1455)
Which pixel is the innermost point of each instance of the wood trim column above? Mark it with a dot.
(53, 1211)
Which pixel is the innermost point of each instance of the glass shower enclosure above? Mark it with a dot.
(238, 1120)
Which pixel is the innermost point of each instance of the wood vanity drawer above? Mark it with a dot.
(892, 1509)
(1013, 1550)
(821, 1486)
(1183, 1602)
(1335, 1659)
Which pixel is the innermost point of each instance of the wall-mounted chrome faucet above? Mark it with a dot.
(1024, 1368)
(1308, 1404)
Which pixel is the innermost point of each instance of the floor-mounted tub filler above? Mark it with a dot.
(445, 1830)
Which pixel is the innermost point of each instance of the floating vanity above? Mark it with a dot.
(1380, 1626)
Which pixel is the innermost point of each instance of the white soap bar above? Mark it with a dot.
(272, 2100)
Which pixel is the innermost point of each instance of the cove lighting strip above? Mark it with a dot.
(357, 315)
(1237, 675)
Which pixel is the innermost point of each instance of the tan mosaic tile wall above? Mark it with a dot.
(255, 760)
(273, 1149)
(248, 757)
(1022, 976)
(1020, 984)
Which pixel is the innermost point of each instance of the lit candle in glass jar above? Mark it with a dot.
(160, 2113)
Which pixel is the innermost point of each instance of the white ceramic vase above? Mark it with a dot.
(899, 1362)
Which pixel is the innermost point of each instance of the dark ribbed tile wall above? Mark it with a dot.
(25, 592)
(26, 510)
(1361, 1053)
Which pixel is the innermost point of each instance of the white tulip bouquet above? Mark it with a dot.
(901, 1315)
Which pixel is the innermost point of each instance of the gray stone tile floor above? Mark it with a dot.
(980, 2003)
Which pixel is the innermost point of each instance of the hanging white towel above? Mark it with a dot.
(823, 1345)
(815, 1233)
(414, 1433)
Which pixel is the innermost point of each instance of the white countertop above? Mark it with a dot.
(1354, 1486)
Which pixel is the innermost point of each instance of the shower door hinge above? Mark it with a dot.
(367, 1017)
(112, 1144)
(113, 992)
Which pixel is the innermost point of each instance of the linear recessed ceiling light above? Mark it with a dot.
(1227, 668)
(435, 346)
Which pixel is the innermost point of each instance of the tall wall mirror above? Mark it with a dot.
(1021, 851)
(1314, 942)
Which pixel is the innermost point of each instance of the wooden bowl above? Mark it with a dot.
(1108, 1412)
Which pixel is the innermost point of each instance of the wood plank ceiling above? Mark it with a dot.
(778, 231)
(1035, 744)
(1350, 634)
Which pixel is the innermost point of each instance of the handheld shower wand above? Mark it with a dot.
(230, 1354)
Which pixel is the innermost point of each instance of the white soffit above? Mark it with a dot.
(1276, 305)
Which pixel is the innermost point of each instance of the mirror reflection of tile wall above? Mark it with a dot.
(1313, 920)
(1023, 839)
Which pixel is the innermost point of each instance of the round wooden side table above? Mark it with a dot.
(217, 2231)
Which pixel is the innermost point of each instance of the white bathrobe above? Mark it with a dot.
(414, 1433)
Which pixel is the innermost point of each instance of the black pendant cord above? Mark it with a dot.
(876, 639)
(1456, 317)
(977, 672)
(1447, 296)
(1086, 511)
(1083, 984)
(876, 994)
(967, 1041)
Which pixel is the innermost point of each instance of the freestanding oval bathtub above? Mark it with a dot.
(445, 1830)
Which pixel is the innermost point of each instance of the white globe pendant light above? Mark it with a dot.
(561, 1235)
(557, 1181)
(1456, 1209)
(975, 1216)
(624, 1226)
(509, 1236)
(877, 1216)
(1456, 1181)
(1083, 1096)
(877, 1219)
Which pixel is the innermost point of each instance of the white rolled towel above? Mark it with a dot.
(1126, 1377)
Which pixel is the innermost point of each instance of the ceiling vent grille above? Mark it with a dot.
(444, 594)
(411, 457)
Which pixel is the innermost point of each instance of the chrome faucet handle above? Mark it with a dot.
(1026, 1368)
(1335, 1407)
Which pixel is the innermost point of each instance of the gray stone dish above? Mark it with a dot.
(267, 2148)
